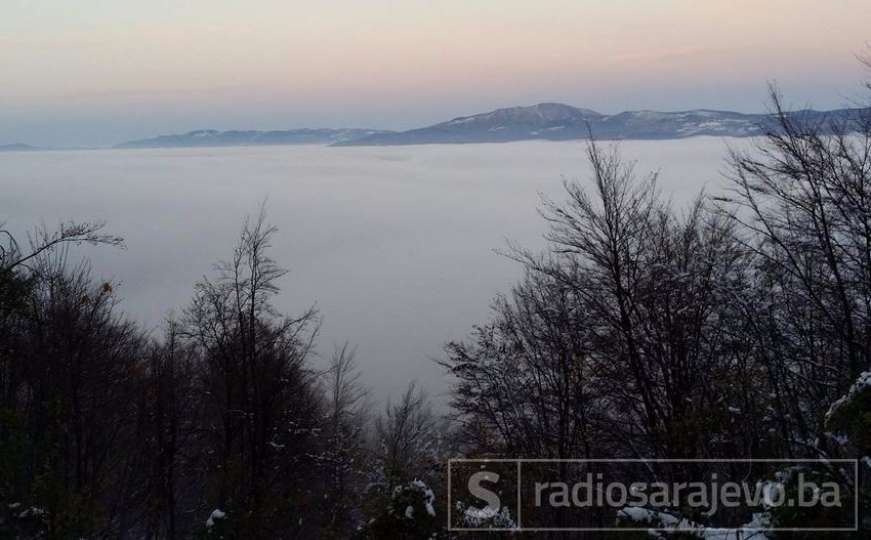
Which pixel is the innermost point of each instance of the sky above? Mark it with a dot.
(99, 72)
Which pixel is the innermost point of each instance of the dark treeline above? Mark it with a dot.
(725, 330)
(221, 427)
(738, 327)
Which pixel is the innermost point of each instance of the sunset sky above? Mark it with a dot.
(102, 71)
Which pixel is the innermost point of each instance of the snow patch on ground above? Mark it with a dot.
(428, 496)
(662, 522)
(215, 515)
(863, 382)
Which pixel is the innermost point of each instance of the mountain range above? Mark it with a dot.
(211, 137)
(559, 122)
(17, 147)
(545, 121)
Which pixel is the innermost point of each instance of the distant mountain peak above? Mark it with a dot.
(563, 109)
(560, 122)
(541, 115)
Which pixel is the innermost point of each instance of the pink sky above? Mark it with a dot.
(103, 71)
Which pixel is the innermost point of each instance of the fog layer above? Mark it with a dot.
(395, 245)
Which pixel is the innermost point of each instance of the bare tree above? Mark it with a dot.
(255, 380)
(43, 240)
(77, 361)
(167, 434)
(801, 198)
(524, 384)
(405, 439)
(344, 457)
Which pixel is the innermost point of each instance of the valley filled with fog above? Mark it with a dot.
(395, 245)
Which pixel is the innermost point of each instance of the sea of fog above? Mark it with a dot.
(395, 245)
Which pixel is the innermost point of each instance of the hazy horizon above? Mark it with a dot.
(105, 72)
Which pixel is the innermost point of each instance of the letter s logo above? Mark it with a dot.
(491, 498)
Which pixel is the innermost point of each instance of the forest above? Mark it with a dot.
(738, 327)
